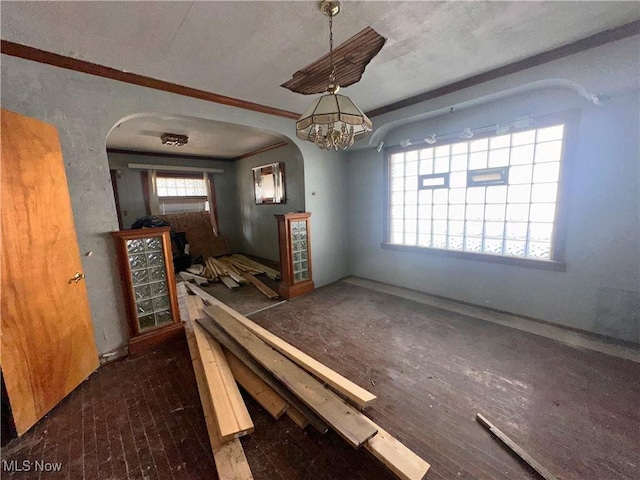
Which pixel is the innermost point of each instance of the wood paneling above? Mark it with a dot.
(48, 345)
(350, 60)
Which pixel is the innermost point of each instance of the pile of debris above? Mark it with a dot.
(232, 271)
(227, 350)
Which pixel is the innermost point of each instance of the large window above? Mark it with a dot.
(496, 195)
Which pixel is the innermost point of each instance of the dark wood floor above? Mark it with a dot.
(575, 411)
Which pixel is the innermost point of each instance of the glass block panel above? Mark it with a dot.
(425, 197)
(441, 165)
(494, 229)
(459, 148)
(477, 160)
(426, 154)
(456, 212)
(396, 237)
(501, 141)
(543, 212)
(138, 261)
(397, 168)
(518, 212)
(304, 255)
(440, 227)
(410, 238)
(411, 198)
(493, 246)
(142, 292)
(457, 195)
(440, 241)
(440, 212)
(479, 145)
(153, 244)
(541, 232)
(410, 211)
(549, 151)
(424, 211)
(495, 212)
(544, 192)
(424, 240)
(397, 211)
(411, 183)
(473, 244)
(443, 151)
(497, 194)
(474, 229)
(410, 225)
(474, 212)
(411, 169)
(396, 226)
(144, 307)
(519, 193)
(163, 317)
(135, 246)
(424, 226)
(455, 243)
(476, 194)
(155, 259)
(458, 179)
(499, 158)
(522, 155)
(517, 230)
(157, 274)
(520, 174)
(523, 138)
(514, 248)
(426, 166)
(440, 196)
(146, 321)
(397, 198)
(459, 163)
(539, 250)
(456, 227)
(546, 172)
(397, 184)
(140, 276)
(160, 303)
(550, 133)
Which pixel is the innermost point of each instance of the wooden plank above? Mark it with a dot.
(270, 272)
(229, 282)
(404, 463)
(261, 286)
(196, 278)
(298, 418)
(344, 419)
(262, 393)
(242, 267)
(345, 387)
(544, 473)
(269, 379)
(231, 413)
(231, 462)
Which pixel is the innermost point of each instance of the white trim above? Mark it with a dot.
(173, 168)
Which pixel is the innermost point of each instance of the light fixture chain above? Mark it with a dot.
(332, 77)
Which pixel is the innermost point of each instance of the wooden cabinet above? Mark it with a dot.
(295, 254)
(148, 283)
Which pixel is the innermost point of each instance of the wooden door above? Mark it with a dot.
(48, 347)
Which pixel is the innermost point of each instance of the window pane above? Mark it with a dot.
(478, 145)
(523, 138)
(497, 194)
(458, 179)
(458, 163)
(425, 197)
(411, 183)
(397, 198)
(495, 212)
(426, 166)
(522, 155)
(440, 241)
(519, 194)
(411, 168)
(474, 229)
(499, 158)
(474, 212)
(397, 168)
(424, 211)
(543, 212)
(520, 174)
(539, 250)
(549, 152)
(493, 246)
(517, 230)
(518, 212)
(457, 195)
(478, 160)
(514, 248)
(456, 212)
(424, 240)
(476, 194)
(541, 232)
(439, 227)
(411, 198)
(440, 196)
(397, 183)
(441, 165)
(473, 244)
(455, 243)
(440, 212)
(494, 229)
(544, 192)
(443, 151)
(501, 141)
(546, 172)
(456, 227)
(459, 148)
(550, 133)
(424, 226)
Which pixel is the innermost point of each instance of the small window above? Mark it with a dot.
(181, 192)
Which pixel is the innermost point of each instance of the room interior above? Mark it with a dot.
(530, 321)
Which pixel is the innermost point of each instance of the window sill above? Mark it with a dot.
(481, 257)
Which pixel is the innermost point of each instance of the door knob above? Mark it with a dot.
(77, 277)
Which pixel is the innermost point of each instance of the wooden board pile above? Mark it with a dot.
(226, 346)
(233, 271)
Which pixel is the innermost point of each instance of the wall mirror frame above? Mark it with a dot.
(268, 184)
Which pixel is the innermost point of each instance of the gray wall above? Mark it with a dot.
(130, 187)
(258, 232)
(599, 290)
(84, 108)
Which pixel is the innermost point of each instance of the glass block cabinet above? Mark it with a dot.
(295, 254)
(149, 287)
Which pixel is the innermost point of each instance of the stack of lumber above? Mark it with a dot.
(236, 270)
(284, 380)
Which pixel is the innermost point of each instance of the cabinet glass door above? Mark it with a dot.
(149, 278)
(299, 250)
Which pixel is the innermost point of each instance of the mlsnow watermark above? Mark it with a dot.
(29, 466)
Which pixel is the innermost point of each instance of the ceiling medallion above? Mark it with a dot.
(174, 140)
(332, 121)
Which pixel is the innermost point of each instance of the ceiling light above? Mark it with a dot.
(332, 121)
(431, 139)
(174, 140)
(466, 133)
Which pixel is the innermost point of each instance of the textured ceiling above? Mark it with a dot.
(248, 49)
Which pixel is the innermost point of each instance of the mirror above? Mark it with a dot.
(268, 183)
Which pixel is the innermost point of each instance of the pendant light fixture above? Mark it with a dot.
(332, 121)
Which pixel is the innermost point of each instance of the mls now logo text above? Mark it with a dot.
(29, 466)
